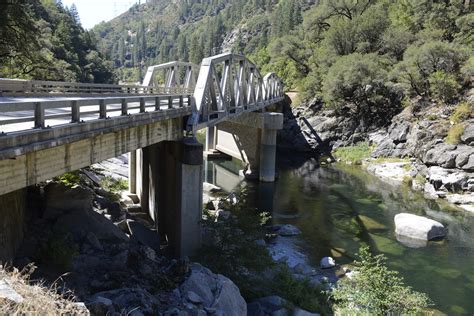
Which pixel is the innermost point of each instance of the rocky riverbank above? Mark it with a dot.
(90, 239)
(427, 146)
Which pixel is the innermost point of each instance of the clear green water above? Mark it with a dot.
(339, 208)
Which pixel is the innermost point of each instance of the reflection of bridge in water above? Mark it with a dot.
(49, 128)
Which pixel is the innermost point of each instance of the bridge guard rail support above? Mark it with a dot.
(173, 192)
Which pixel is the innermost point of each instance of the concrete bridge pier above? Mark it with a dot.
(251, 138)
(169, 184)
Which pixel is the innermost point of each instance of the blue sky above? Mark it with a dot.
(93, 12)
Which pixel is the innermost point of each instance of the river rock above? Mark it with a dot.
(418, 227)
(60, 198)
(468, 135)
(193, 297)
(216, 291)
(301, 312)
(327, 262)
(131, 298)
(79, 223)
(289, 230)
(451, 180)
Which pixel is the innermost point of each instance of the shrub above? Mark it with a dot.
(377, 290)
(454, 134)
(463, 111)
(70, 179)
(114, 185)
(443, 86)
(360, 80)
(420, 62)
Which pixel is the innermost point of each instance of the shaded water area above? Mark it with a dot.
(339, 208)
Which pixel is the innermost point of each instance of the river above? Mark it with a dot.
(340, 208)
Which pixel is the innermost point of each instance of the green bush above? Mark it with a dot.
(443, 86)
(70, 179)
(360, 80)
(113, 185)
(375, 289)
(454, 134)
(463, 111)
(420, 63)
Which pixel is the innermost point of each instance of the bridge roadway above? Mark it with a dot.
(49, 128)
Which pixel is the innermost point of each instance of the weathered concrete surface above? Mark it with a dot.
(170, 187)
(12, 215)
(251, 138)
(36, 166)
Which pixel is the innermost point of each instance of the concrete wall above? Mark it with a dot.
(12, 221)
(37, 166)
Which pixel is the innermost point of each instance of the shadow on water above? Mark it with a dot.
(339, 208)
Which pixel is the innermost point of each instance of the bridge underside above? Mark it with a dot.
(34, 167)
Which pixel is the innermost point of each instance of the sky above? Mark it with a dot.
(93, 12)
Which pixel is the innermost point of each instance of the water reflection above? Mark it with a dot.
(339, 208)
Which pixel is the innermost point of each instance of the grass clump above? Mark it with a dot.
(463, 111)
(354, 154)
(37, 298)
(70, 179)
(114, 185)
(376, 290)
(454, 134)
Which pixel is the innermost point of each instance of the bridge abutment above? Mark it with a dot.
(170, 188)
(251, 138)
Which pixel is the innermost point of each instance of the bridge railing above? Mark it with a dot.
(43, 113)
(229, 84)
(17, 87)
(172, 77)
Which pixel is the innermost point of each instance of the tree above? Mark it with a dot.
(360, 81)
(420, 62)
(374, 289)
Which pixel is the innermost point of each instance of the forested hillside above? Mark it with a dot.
(372, 54)
(44, 40)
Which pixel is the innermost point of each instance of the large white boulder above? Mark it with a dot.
(418, 227)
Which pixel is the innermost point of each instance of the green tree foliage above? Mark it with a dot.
(360, 80)
(421, 62)
(44, 40)
(415, 47)
(374, 289)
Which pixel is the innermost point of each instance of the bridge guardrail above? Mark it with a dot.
(18, 87)
(39, 111)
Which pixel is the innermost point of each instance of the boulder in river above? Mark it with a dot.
(327, 262)
(418, 227)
